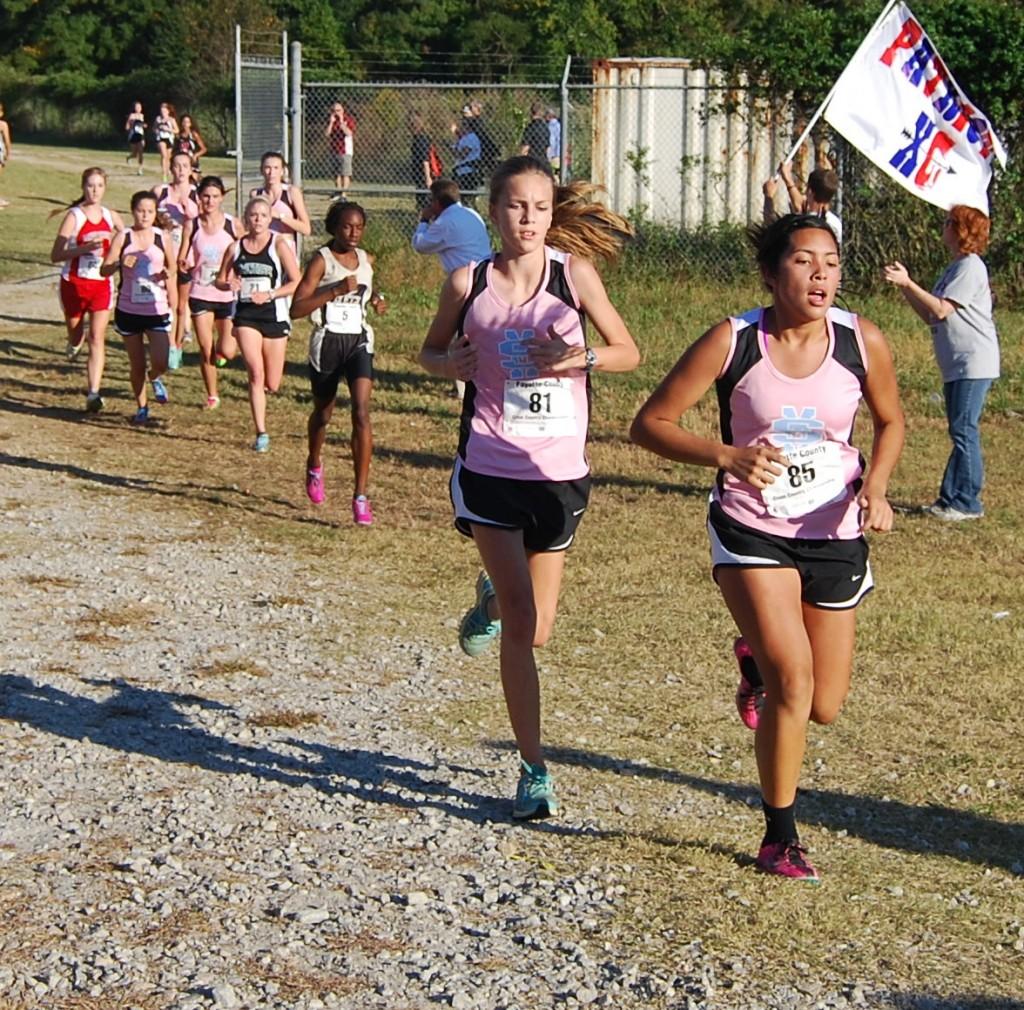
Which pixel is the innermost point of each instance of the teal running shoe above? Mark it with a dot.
(160, 393)
(535, 794)
(262, 443)
(477, 630)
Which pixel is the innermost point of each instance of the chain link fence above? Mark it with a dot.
(681, 151)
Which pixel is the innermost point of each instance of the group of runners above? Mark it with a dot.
(526, 330)
(171, 136)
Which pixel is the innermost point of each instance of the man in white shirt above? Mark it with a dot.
(456, 233)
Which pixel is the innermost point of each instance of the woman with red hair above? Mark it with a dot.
(959, 311)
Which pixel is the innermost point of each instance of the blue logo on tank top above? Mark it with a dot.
(797, 427)
(515, 355)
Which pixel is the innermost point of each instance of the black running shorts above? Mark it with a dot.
(341, 354)
(834, 574)
(547, 511)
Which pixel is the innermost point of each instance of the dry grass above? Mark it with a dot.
(283, 719)
(912, 801)
(51, 582)
(229, 668)
(367, 942)
(296, 981)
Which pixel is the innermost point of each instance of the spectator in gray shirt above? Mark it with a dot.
(959, 311)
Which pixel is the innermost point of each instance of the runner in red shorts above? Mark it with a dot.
(82, 242)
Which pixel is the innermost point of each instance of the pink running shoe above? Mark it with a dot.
(786, 859)
(361, 511)
(749, 699)
(315, 484)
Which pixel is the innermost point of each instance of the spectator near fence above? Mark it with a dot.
(536, 137)
(466, 147)
(457, 234)
(554, 139)
(340, 133)
(423, 160)
(490, 150)
(822, 187)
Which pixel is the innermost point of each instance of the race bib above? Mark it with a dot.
(539, 408)
(813, 478)
(208, 273)
(89, 266)
(250, 285)
(144, 291)
(341, 316)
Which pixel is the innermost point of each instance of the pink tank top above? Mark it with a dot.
(810, 419)
(179, 211)
(143, 292)
(283, 202)
(204, 257)
(87, 266)
(516, 421)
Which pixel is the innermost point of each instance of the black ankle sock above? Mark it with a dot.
(780, 824)
(749, 670)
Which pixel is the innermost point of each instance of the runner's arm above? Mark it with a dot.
(656, 426)
(439, 354)
(881, 394)
(113, 258)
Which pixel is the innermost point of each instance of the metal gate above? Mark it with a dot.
(261, 105)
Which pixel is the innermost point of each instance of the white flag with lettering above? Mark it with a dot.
(898, 104)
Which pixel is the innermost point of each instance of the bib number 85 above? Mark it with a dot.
(800, 475)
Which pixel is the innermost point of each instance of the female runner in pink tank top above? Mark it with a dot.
(287, 204)
(82, 241)
(792, 497)
(521, 477)
(206, 240)
(147, 297)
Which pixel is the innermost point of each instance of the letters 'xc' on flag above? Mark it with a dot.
(898, 104)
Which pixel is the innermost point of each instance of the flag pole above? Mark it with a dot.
(828, 98)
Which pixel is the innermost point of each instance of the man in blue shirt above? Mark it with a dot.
(456, 233)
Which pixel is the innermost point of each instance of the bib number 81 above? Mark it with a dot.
(540, 403)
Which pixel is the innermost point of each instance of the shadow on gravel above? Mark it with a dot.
(923, 1001)
(158, 724)
(229, 496)
(932, 829)
(32, 322)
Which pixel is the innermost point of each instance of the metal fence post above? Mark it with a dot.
(284, 93)
(238, 120)
(563, 141)
(295, 119)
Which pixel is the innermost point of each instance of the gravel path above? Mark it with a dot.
(210, 798)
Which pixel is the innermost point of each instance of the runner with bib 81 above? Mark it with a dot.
(792, 497)
(513, 329)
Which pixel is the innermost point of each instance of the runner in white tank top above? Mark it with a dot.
(521, 479)
(207, 239)
(792, 497)
(82, 241)
(148, 295)
(287, 204)
(335, 292)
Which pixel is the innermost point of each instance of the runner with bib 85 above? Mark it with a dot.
(792, 497)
